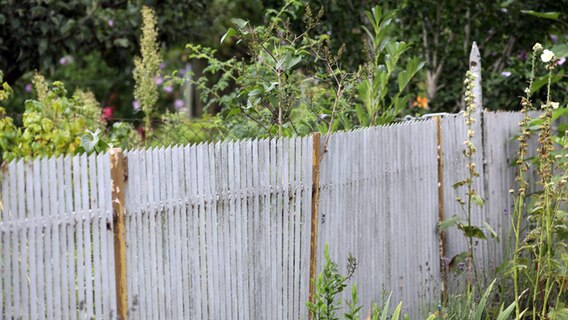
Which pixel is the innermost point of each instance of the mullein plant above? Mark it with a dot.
(544, 215)
(540, 259)
(471, 232)
(147, 68)
(521, 178)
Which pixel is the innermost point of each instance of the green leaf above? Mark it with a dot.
(255, 92)
(121, 42)
(291, 62)
(472, 231)
(504, 315)
(458, 184)
(386, 308)
(545, 15)
(67, 27)
(89, 141)
(402, 80)
(448, 223)
(269, 88)
(230, 33)
(361, 114)
(240, 23)
(483, 301)
(560, 50)
(505, 268)
(396, 313)
(42, 46)
(478, 200)
(541, 81)
(560, 313)
(413, 66)
(492, 232)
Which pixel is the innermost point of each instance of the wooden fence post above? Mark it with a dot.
(117, 175)
(441, 213)
(475, 68)
(316, 157)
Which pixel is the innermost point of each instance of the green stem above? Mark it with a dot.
(518, 214)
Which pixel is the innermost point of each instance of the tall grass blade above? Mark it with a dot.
(481, 306)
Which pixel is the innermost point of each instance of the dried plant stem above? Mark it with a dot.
(517, 216)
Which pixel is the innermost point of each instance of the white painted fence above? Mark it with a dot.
(222, 231)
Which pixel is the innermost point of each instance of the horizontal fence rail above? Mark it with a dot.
(222, 230)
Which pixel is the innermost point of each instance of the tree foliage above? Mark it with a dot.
(37, 34)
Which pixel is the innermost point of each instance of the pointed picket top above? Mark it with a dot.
(475, 68)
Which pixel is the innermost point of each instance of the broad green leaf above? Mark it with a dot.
(448, 223)
(541, 81)
(291, 61)
(472, 231)
(230, 33)
(545, 15)
(89, 141)
(402, 80)
(560, 50)
(478, 200)
(559, 314)
(560, 112)
(414, 65)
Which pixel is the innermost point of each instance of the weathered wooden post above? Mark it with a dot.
(475, 68)
(316, 157)
(117, 176)
(441, 213)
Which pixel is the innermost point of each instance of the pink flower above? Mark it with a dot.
(506, 74)
(159, 80)
(28, 87)
(178, 104)
(168, 89)
(110, 23)
(561, 61)
(136, 105)
(107, 113)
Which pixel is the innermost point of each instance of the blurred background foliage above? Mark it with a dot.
(90, 45)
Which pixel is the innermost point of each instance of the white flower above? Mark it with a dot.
(537, 47)
(554, 105)
(546, 56)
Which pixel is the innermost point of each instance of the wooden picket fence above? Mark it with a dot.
(224, 230)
